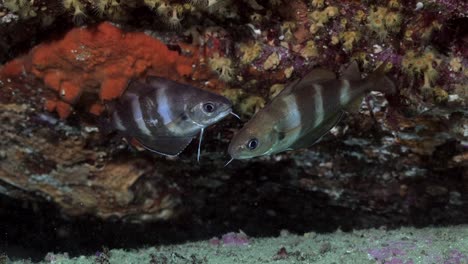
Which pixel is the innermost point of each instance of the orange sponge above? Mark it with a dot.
(99, 60)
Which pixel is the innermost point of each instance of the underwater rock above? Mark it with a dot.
(52, 160)
(382, 160)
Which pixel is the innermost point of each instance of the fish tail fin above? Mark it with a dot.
(379, 81)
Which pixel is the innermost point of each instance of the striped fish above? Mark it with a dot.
(304, 111)
(164, 116)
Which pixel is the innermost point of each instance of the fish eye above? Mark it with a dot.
(252, 144)
(208, 107)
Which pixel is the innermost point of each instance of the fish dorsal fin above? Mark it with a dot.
(315, 134)
(351, 72)
(169, 146)
(319, 75)
(156, 81)
(135, 88)
(314, 76)
(287, 90)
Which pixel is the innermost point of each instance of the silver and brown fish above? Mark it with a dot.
(163, 115)
(304, 111)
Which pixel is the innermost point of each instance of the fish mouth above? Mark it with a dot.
(224, 113)
(235, 152)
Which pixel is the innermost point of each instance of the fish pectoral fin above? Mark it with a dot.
(169, 146)
(315, 134)
(314, 76)
(159, 82)
(317, 75)
(288, 89)
(135, 88)
(151, 79)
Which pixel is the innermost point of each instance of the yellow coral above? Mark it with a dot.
(100, 7)
(271, 62)
(314, 28)
(319, 17)
(349, 38)
(275, 89)
(422, 64)
(287, 29)
(234, 95)
(343, 22)
(152, 3)
(381, 21)
(188, 7)
(363, 58)
(24, 8)
(223, 66)
(440, 95)
(250, 52)
(456, 64)
(256, 17)
(77, 8)
(393, 21)
(288, 72)
(331, 11)
(360, 16)
(251, 105)
(409, 35)
(163, 9)
(175, 17)
(375, 21)
(318, 3)
(110, 8)
(334, 40)
(310, 50)
(394, 4)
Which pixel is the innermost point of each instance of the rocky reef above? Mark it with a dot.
(401, 160)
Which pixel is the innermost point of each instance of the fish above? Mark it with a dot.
(163, 116)
(305, 110)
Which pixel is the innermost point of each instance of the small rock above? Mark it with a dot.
(435, 190)
(324, 248)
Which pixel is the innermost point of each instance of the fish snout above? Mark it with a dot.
(233, 150)
(227, 103)
(224, 107)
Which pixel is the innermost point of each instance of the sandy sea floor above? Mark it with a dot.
(448, 245)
